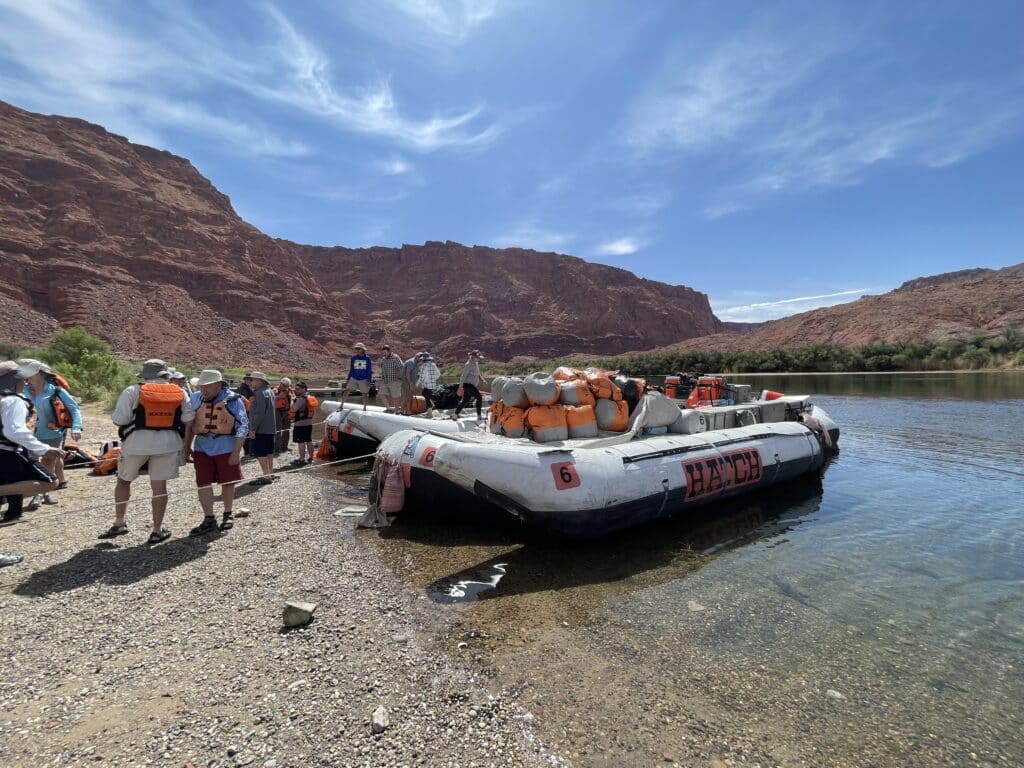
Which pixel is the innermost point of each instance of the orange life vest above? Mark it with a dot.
(215, 418)
(62, 418)
(159, 408)
(282, 398)
(311, 405)
(247, 402)
(708, 389)
(108, 462)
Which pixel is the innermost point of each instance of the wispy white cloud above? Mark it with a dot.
(131, 85)
(424, 24)
(760, 311)
(530, 235)
(453, 19)
(395, 166)
(623, 246)
(165, 74)
(772, 106)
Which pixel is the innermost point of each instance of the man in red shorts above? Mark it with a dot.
(214, 441)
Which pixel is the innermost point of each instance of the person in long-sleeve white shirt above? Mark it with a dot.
(21, 473)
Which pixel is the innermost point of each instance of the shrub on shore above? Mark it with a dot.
(92, 372)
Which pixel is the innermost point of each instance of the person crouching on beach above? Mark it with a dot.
(21, 473)
(151, 418)
(360, 374)
(214, 443)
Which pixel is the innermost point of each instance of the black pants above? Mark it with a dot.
(426, 396)
(470, 392)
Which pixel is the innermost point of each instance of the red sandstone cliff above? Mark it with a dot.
(137, 246)
(973, 302)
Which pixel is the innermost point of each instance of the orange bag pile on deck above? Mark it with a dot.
(567, 404)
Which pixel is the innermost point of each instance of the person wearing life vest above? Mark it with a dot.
(56, 413)
(262, 425)
(360, 374)
(282, 404)
(151, 418)
(214, 443)
(21, 473)
(303, 407)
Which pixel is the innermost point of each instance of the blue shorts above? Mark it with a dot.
(262, 445)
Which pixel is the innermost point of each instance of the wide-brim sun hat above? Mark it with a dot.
(257, 375)
(209, 376)
(359, 345)
(11, 373)
(194, 381)
(153, 368)
(29, 366)
(177, 375)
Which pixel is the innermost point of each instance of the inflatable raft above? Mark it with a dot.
(593, 487)
(355, 432)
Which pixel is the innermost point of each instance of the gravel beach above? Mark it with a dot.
(119, 654)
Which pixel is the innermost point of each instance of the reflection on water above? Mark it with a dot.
(875, 618)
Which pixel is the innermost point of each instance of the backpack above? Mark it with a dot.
(62, 418)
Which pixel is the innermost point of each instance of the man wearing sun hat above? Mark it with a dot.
(151, 418)
(214, 442)
(360, 374)
(262, 425)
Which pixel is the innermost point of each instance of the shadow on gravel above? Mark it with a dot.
(103, 564)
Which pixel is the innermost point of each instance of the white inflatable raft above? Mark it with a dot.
(588, 488)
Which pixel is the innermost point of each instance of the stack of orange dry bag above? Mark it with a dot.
(567, 404)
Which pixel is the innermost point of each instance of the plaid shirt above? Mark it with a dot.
(391, 369)
(430, 375)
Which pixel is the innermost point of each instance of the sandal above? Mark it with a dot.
(228, 522)
(114, 531)
(157, 536)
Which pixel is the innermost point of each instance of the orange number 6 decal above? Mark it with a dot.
(427, 459)
(565, 475)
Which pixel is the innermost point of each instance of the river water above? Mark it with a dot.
(874, 617)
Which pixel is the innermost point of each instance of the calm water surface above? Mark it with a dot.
(874, 617)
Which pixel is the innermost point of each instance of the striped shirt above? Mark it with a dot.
(391, 369)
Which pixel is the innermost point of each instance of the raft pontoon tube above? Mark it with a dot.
(589, 488)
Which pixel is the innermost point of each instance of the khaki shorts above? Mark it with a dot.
(162, 466)
(358, 385)
(392, 390)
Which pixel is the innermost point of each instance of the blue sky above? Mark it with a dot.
(777, 156)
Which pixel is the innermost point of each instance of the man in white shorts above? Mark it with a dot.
(151, 419)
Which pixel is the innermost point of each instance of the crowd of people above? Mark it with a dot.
(166, 421)
(400, 381)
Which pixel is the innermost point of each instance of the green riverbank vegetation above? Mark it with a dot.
(977, 353)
